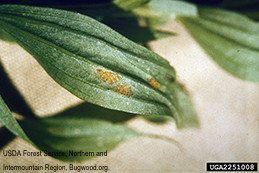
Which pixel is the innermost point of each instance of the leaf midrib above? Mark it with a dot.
(91, 84)
(82, 32)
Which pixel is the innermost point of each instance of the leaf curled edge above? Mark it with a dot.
(96, 63)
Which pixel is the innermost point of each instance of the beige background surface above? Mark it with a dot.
(228, 110)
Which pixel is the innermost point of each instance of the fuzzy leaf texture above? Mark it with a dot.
(97, 64)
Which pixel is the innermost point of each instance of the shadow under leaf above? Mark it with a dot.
(5, 137)
(12, 97)
(91, 111)
(79, 133)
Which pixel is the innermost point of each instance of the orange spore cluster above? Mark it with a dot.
(109, 77)
(154, 83)
(124, 89)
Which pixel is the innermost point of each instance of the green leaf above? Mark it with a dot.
(7, 119)
(87, 128)
(248, 7)
(100, 113)
(158, 34)
(96, 63)
(157, 118)
(124, 22)
(231, 39)
(159, 12)
(174, 8)
(129, 4)
(96, 112)
(6, 37)
(129, 27)
(82, 128)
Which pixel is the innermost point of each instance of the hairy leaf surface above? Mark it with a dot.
(96, 63)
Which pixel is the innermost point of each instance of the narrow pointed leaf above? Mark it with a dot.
(157, 118)
(129, 4)
(96, 112)
(159, 12)
(94, 62)
(7, 119)
(174, 8)
(77, 130)
(231, 39)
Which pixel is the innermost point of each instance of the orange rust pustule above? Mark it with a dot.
(124, 89)
(154, 83)
(109, 77)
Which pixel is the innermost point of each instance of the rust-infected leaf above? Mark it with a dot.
(97, 64)
(154, 83)
(124, 89)
(108, 77)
